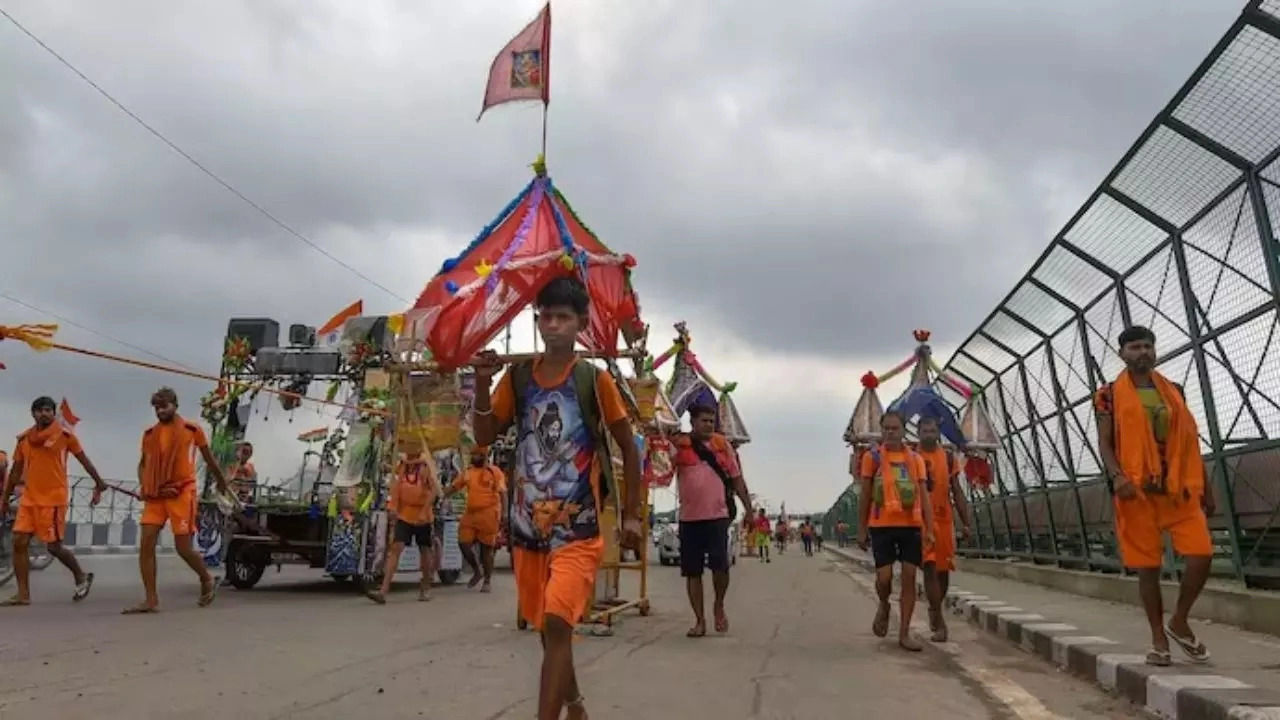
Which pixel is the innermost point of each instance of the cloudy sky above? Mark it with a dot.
(804, 183)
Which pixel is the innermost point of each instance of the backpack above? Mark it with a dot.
(907, 495)
(584, 386)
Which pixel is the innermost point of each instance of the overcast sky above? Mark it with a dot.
(804, 182)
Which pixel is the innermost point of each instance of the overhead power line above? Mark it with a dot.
(200, 166)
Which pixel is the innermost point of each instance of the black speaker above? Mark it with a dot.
(279, 361)
(369, 328)
(260, 332)
(302, 336)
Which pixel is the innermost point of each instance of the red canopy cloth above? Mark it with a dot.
(535, 239)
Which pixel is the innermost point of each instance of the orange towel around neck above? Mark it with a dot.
(1180, 473)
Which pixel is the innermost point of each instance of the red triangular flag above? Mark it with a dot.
(69, 419)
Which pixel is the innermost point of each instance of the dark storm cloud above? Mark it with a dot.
(820, 176)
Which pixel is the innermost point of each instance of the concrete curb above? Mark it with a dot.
(1181, 692)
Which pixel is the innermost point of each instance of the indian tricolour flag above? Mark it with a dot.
(331, 331)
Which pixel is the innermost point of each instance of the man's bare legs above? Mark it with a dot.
(907, 605)
(884, 590)
(486, 561)
(427, 564)
(720, 584)
(147, 567)
(935, 586)
(559, 686)
(469, 557)
(693, 586)
(187, 551)
(388, 573)
(21, 569)
(1193, 580)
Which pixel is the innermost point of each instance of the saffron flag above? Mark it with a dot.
(68, 419)
(331, 331)
(521, 71)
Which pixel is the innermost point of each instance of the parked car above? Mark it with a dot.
(669, 545)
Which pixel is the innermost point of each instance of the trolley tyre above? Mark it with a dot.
(245, 567)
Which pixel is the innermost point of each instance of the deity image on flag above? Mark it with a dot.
(526, 69)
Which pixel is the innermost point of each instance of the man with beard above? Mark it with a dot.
(943, 483)
(708, 477)
(167, 479)
(40, 465)
(486, 488)
(1151, 452)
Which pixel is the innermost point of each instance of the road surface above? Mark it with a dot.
(300, 646)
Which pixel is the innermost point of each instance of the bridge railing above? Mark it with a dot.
(1180, 237)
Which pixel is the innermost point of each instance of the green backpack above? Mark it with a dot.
(584, 386)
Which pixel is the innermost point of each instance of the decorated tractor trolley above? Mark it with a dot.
(331, 514)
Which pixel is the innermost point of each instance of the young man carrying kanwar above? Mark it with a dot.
(708, 477)
(762, 532)
(40, 464)
(411, 508)
(894, 509)
(562, 407)
(943, 483)
(167, 479)
(1151, 452)
(486, 487)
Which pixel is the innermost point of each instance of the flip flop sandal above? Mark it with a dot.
(722, 622)
(880, 627)
(696, 632)
(207, 596)
(14, 601)
(939, 635)
(910, 644)
(486, 588)
(82, 590)
(377, 597)
(140, 610)
(1194, 649)
(1159, 658)
(424, 596)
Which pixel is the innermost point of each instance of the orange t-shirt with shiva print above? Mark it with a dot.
(902, 465)
(44, 468)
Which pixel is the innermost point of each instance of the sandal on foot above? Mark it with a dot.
(143, 609)
(424, 595)
(376, 596)
(939, 635)
(15, 601)
(880, 627)
(1195, 650)
(486, 587)
(82, 590)
(722, 621)
(1159, 658)
(474, 581)
(697, 631)
(207, 594)
(909, 644)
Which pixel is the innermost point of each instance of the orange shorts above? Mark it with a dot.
(180, 512)
(1140, 522)
(942, 553)
(48, 524)
(479, 527)
(557, 583)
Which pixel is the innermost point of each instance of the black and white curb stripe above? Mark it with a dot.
(1177, 693)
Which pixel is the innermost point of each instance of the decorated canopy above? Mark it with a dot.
(535, 238)
(691, 385)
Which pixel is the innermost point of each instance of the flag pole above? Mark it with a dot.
(545, 105)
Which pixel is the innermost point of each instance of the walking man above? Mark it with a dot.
(167, 479)
(411, 509)
(894, 511)
(1151, 452)
(762, 531)
(943, 482)
(40, 465)
(486, 488)
(842, 533)
(806, 537)
(565, 411)
(709, 477)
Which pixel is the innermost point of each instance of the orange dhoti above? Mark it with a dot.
(179, 512)
(559, 582)
(1141, 521)
(943, 551)
(479, 526)
(48, 524)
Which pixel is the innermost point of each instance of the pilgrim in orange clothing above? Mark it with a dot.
(943, 469)
(40, 466)
(559, 450)
(486, 488)
(1150, 449)
(895, 513)
(411, 506)
(167, 480)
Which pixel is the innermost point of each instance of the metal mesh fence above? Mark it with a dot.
(1180, 237)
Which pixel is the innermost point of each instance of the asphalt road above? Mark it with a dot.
(303, 646)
